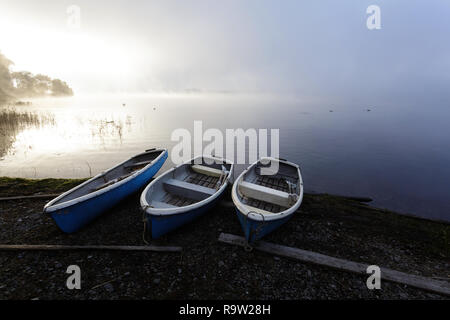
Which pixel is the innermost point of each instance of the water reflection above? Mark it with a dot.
(105, 129)
(38, 142)
(13, 121)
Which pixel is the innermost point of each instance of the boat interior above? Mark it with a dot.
(269, 193)
(115, 174)
(188, 184)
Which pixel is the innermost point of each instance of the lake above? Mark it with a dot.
(397, 155)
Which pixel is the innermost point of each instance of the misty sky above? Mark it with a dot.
(313, 49)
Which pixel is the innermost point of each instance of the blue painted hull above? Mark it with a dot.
(255, 230)
(160, 225)
(72, 218)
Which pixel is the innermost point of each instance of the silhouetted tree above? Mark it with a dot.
(25, 84)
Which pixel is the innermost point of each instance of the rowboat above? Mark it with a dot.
(78, 206)
(266, 195)
(184, 193)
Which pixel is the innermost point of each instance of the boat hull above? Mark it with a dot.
(160, 225)
(254, 230)
(70, 219)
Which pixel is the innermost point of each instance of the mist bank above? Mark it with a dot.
(24, 84)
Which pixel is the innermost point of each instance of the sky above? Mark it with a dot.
(313, 49)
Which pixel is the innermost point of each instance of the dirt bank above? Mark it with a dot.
(207, 269)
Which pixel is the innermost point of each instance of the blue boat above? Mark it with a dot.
(78, 206)
(184, 193)
(266, 195)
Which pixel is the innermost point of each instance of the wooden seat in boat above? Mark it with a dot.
(110, 182)
(188, 190)
(262, 193)
(137, 164)
(162, 205)
(212, 172)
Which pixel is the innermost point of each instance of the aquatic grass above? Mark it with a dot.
(13, 121)
(104, 128)
(12, 118)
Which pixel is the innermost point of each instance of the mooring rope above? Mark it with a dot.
(145, 221)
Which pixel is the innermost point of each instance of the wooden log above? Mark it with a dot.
(35, 196)
(88, 247)
(420, 282)
(354, 198)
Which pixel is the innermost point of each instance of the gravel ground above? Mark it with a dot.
(208, 269)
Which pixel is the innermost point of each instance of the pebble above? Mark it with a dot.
(260, 274)
(109, 287)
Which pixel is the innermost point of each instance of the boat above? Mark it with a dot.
(266, 195)
(80, 205)
(184, 193)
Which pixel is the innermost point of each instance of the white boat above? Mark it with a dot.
(185, 192)
(266, 198)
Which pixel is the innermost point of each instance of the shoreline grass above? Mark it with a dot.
(24, 187)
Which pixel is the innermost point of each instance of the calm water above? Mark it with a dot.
(397, 155)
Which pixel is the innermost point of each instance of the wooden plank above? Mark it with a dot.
(420, 282)
(210, 172)
(354, 198)
(188, 190)
(137, 164)
(264, 193)
(35, 196)
(88, 247)
(162, 205)
(111, 182)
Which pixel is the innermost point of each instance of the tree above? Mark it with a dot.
(60, 88)
(5, 78)
(23, 84)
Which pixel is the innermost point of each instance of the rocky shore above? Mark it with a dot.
(206, 268)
